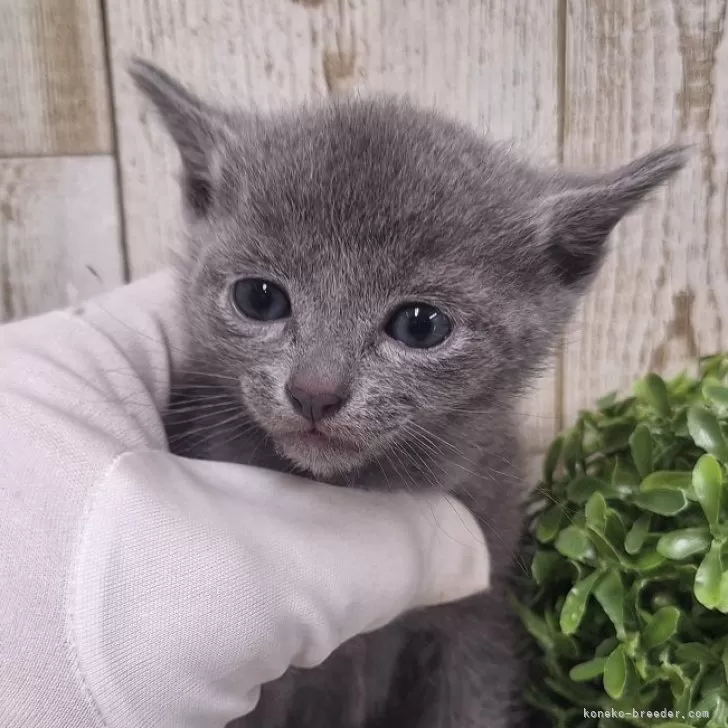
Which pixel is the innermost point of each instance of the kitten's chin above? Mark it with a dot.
(319, 455)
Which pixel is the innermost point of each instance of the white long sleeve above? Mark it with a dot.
(140, 589)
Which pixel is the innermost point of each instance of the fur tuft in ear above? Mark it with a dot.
(193, 125)
(577, 221)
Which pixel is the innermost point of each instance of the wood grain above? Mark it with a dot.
(52, 78)
(473, 58)
(639, 75)
(59, 232)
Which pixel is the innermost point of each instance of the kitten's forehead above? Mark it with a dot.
(379, 188)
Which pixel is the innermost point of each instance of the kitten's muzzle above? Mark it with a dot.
(315, 405)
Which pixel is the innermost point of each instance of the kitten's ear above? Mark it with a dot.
(577, 221)
(195, 127)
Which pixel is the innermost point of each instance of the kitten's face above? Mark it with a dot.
(368, 272)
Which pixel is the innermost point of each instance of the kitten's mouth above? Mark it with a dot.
(318, 452)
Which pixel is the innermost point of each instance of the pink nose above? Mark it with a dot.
(315, 405)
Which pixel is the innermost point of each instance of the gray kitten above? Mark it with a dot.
(367, 288)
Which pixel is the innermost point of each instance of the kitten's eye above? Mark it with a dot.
(260, 300)
(419, 326)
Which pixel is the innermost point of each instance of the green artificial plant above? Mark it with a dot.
(627, 595)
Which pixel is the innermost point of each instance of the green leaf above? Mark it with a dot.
(552, 459)
(573, 542)
(708, 484)
(581, 488)
(607, 401)
(609, 592)
(714, 681)
(662, 599)
(640, 444)
(695, 652)
(585, 671)
(605, 549)
(624, 477)
(716, 706)
(705, 430)
(662, 501)
(708, 578)
(680, 424)
(536, 627)
(679, 681)
(565, 646)
(717, 395)
(615, 436)
(546, 565)
(552, 621)
(614, 529)
(667, 479)
(637, 534)
(661, 627)
(573, 691)
(714, 366)
(572, 453)
(575, 603)
(595, 511)
(605, 647)
(649, 560)
(549, 523)
(653, 390)
(617, 670)
(679, 545)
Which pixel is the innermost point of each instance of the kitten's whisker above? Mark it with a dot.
(424, 433)
(262, 437)
(435, 487)
(384, 472)
(403, 479)
(425, 438)
(236, 433)
(437, 437)
(461, 487)
(202, 404)
(435, 482)
(237, 415)
(413, 452)
(176, 372)
(543, 493)
(201, 398)
(224, 387)
(196, 416)
(202, 409)
(460, 452)
(497, 407)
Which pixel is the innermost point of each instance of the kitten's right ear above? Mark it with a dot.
(195, 127)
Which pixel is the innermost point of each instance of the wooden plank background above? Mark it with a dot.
(87, 177)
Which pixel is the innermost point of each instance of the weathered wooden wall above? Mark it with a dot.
(87, 188)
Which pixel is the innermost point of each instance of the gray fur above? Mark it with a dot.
(355, 207)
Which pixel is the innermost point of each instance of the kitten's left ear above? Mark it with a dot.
(575, 223)
(196, 128)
